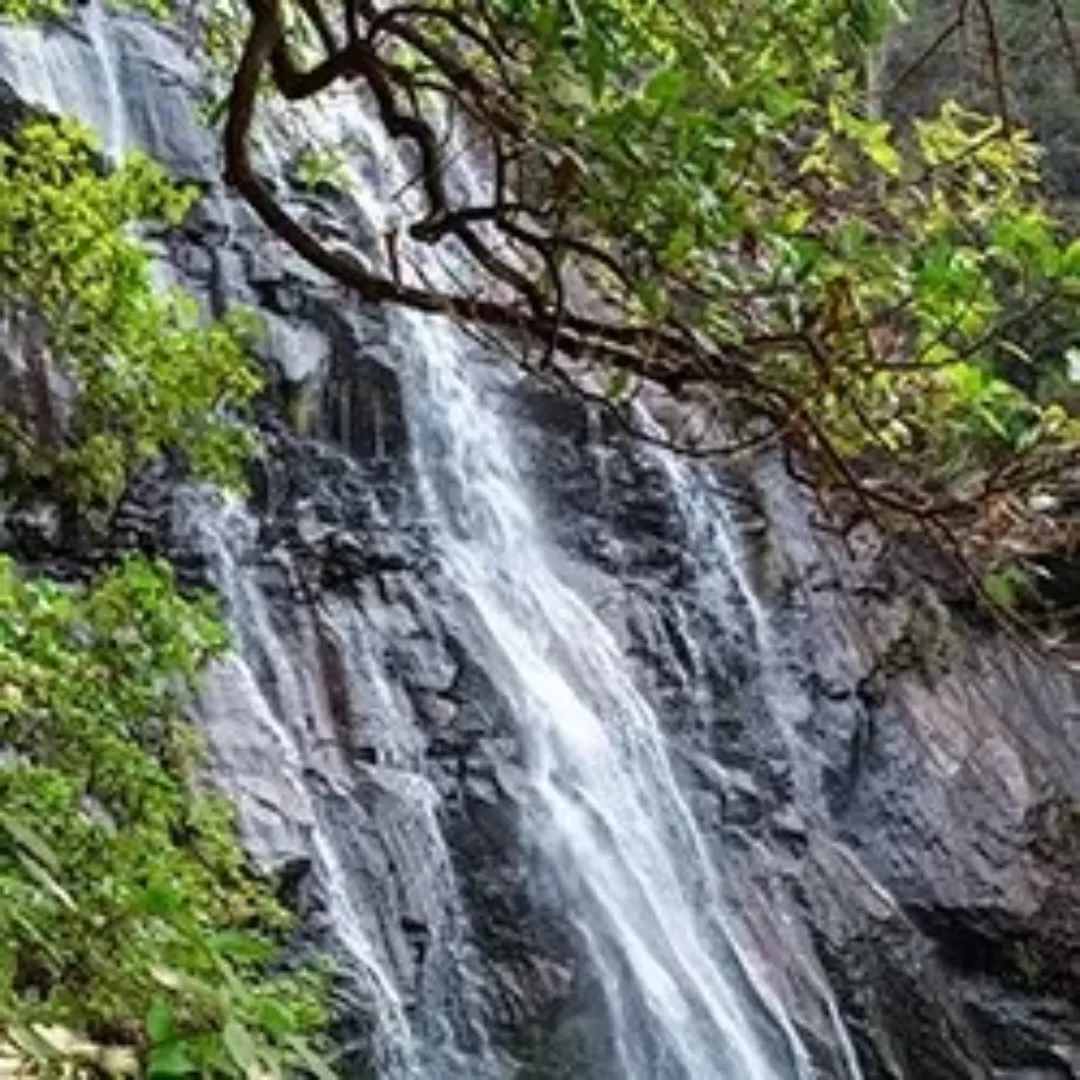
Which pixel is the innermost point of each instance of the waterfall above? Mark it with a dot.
(572, 769)
(683, 994)
(69, 69)
(710, 537)
(602, 799)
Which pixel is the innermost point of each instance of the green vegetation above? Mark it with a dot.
(318, 167)
(129, 917)
(55, 10)
(933, 54)
(875, 298)
(26, 10)
(147, 373)
(710, 197)
(127, 911)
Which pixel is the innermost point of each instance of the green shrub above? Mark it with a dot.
(128, 911)
(147, 372)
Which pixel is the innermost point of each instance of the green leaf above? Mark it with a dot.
(238, 946)
(665, 87)
(37, 861)
(884, 155)
(1070, 261)
(30, 1040)
(1006, 585)
(28, 842)
(159, 899)
(160, 1022)
(170, 1059)
(992, 421)
(241, 1047)
(310, 1060)
(275, 1018)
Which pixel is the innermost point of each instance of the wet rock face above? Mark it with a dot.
(959, 814)
(915, 822)
(923, 826)
(924, 832)
(928, 810)
(961, 763)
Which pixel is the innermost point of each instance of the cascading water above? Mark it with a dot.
(73, 72)
(271, 718)
(684, 997)
(602, 800)
(710, 532)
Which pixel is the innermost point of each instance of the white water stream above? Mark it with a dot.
(604, 805)
(73, 71)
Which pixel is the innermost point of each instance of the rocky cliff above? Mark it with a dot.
(585, 762)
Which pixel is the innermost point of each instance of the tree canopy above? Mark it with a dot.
(703, 195)
(794, 218)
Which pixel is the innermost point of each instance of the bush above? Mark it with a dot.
(127, 909)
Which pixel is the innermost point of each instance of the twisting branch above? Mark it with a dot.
(548, 278)
(619, 344)
(931, 50)
(997, 65)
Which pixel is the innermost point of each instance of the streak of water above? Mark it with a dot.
(116, 129)
(710, 538)
(252, 722)
(72, 70)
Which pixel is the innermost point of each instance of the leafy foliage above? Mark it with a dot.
(868, 274)
(704, 197)
(934, 54)
(146, 372)
(52, 10)
(127, 910)
(128, 914)
(26, 10)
